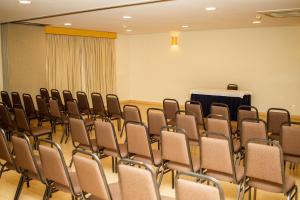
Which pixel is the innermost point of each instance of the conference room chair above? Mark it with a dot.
(6, 100)
(58, 118)
(67, 95)
(245, 112)
(131, 113)
(176, 153)
(156, 120)
(220, 110)
(24, 127)
(290, 140)
(43, 110)
(29, 107)
(5, 155)
(137, 181)
(7, 122)
(188, 123)
(139, 145)
(16, 100)
(94, 185)
(195, 108)
(45, 94)
(80, 137)
(216, 154)
(83, 103)
(56, 95)
(275, 118)
(170, 106)
(107, 141)
(58, 176)
(98, 105)
(267, 172)
(187, 186)
(114, 111)
(27, 162)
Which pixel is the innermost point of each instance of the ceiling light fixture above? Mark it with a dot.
(127, 17)
(256, 22)
(211, 8)
(128, 30)
(257, 19)
(24, 1)
(185, 26)
(68, 24)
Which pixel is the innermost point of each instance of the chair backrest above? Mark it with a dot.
(188, 188)
(54, 108)
(98, 104)
(113, 105)
(72, 109)
(252, 128)
(216, 125)
(56, 95)
(137, 181)
(132, 113)
(290, 139)
(91, 175)
(21, 120)
(246, 112)
(6, 119)
(264, 161)
(67, 95)
(42, 106)
(5, 151)
(275, 118)
(175, 147)
(189, 124)
(156, 120)
(29, 105)
(78, 132)
(44, 94)
(195, 108)
(170, 106)
(83, 103)
(16, 100)
(216, 154)
(6, 99)
(220, 109)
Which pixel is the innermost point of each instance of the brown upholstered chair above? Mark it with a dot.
(189, 124)
(45, 94)
(7, 123)
(6, 100)
(290, 140)
(98, 105)
(27, 162)
(139, 145)
(24, 127)
(67, 95)
(156, 120)
(131, 113)
(29, 107)
(252, 128)
(275, 118)
(267, 172)
(114, 111)
(107, 141)
(176, 153)
(83, 103)
(170, 106)
(188, 187)
(217, 160)
(43, 110)
(137, 181)
(245, 112)
(58, 176)
(94, 185)
(56, 95)
(16, 100)
(220, 109)
(195, 108)
(5, 155)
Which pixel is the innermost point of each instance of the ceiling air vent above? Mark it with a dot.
(281, 13)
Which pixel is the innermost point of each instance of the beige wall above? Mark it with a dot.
(26, 68)
(265, 61)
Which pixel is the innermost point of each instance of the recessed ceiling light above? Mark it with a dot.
(67, 24)
(185, 26)
(211, 8)
(127, 17)
(128, 30)
(125, 26)
(256, 22)
(25, 1)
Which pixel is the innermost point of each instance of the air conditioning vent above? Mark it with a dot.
(294, 12)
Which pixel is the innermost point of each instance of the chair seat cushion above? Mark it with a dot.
(93, 143)
(88, 122)
(227, 177)
(185, 168)
(114, 153)
(38, 131)
(291, 158)
(156, 157)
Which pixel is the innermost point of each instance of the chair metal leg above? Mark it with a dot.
(255, 190)
(249, 194)
(173, 181)
(63, 134)
(161, 175)
(119, 124)
(20, 187)
(123, 127)
(113, 164)
(116, 165)
(2, 169)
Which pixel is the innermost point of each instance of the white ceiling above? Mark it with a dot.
(150, 18)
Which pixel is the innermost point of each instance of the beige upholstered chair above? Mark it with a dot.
(137, 181)
(56, 95)
(16, 100)
(83, 103)
(7, 123)
(6, 100)
(217, 160)
(114, 111)
(43, 110)
(67, 95)
(27, 162)
(170, 106)
(45, 94)
(275, 118)
(176, 154)
(156, 120)
(107, 142)
(246, 112)
(220, 109)
(252, 128)
(98, 105)
(29, 107)
(266, 172)
(92, 179)
(188, 187)
(131, 113)
(58, 176)
(195, 108)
